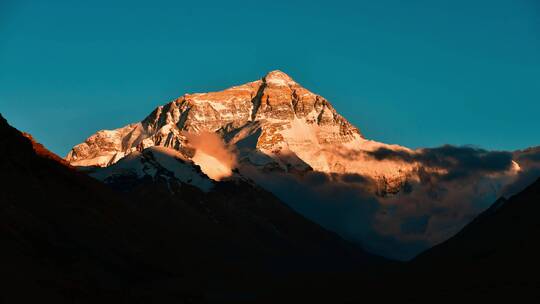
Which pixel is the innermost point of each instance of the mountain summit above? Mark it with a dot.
(273, 123)
(278, 78)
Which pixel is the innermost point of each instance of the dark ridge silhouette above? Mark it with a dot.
(506, 230)
(495, 256)
(66, 237)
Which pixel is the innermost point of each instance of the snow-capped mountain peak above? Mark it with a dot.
(278, 78)
(272, 122)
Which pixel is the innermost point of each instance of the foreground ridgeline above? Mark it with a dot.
(67, 237)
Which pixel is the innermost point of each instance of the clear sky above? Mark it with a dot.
(416, 73)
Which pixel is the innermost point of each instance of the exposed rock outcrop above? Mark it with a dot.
(273, 123)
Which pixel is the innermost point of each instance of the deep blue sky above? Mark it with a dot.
(416, 73)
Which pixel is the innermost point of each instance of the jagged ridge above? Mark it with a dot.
(274, 122)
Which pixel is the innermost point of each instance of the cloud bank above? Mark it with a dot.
(450, 186)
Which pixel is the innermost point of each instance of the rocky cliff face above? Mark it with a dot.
(272, 123)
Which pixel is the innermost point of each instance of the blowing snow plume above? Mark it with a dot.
(214, 157)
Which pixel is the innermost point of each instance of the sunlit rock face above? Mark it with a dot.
(273, 123)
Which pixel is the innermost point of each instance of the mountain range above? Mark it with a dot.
(208, 199)
(273, 129)
(272, 123)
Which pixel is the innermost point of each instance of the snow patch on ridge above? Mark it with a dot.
(154, 162)
(278, 78)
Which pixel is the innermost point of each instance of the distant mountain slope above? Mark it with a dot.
(67, 237)
(507, 231)
(493, 256)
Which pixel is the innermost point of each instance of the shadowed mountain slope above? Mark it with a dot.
(505, 235)
(69, 238)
